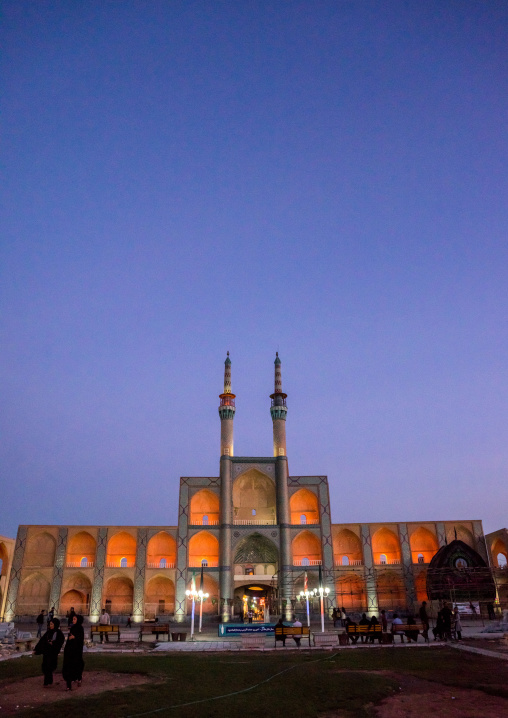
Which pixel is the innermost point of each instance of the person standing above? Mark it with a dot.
(384, 621)
(457, 625)
(51, 614)
(424, 618)
(70, 617)
(40, 622)
(343, 616)
(49, 647)
(104, 620)
(446, 614)
(73, 663)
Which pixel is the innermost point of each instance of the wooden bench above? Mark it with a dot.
(403, 629)
(326, 640)
(153, 629)
(373, 632)
(282, 632)
(99, 630)
(253, 640)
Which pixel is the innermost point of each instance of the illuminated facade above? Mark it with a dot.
(252, 530)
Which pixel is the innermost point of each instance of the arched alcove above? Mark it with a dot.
(423, 544)
(255, 554)
(465, 535)
(81, 546)
(121, 545)
(159, 597)
(254, 490)
(211, 587)
(304, 503)
(77, 589)
(499, 553)
(4, 559)
(391, 594)
(386, 542)
(306, 545)
(351, 592)
(204, 503)
(203, 546)
(118, 596)
(347, 543)
(161, 547)
(421, 586)
(33, 595)
(40, 550)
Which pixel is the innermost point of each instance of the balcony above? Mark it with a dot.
(255, 522)
(389, 562)
(208, 564)
(79, 564)
(307, 562)
(166, 564)
(351, 562)
(124, 563)
(204, 522)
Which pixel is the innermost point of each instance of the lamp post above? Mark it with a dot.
(306, 594)
(322, 593)
(192, 593)
(202, 596)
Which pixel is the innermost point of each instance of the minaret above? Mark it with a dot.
(279, 411)
(226, 413)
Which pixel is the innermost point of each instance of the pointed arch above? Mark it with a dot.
(81, 546)
(423, 544)
(391, 594)
(33, 595)
(40, 550)
(306, 546)
(204, 503)
(386, 542)
(211, 587)
(118, 595)
(254, 490)
(351, 592)
(203, 546)
(159, 596)
(4, 559)
(347, 543)
(161, 547)
(304, 503)
(465, 535)
(121, 545)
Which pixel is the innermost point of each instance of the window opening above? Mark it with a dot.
(345, 560)
(305, 561)
(84, 562)
(501, 560)
(303, 519)
(205, 520)
(421, 559)
(204, 562)
(123, 563)
(253, 512)
(382, 559)
(162, 563)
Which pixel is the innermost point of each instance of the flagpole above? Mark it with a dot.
(306, 589)
(321, 599)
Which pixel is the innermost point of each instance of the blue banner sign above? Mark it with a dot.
(239, 628)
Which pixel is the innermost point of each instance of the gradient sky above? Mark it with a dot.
(325, 179)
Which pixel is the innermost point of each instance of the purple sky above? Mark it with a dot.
(326, 179)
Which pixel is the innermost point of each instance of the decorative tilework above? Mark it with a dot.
(56, 584)
(138, 610)
(17, 563)
(407, 565)
(98, 578)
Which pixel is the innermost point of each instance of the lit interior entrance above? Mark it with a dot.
(253, 603)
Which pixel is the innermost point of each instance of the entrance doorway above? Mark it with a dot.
(252, 603)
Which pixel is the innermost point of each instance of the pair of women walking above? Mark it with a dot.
(50, 645)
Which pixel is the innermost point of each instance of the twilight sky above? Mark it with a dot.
(325, 179)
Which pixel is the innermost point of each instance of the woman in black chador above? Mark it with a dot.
(49, 647)
(73, 663)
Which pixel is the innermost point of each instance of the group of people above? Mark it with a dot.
(448, 624)
(50, 645)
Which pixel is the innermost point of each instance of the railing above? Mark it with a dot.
(78, 564)
(209, 564)
(200, 522)
(309, 522)
(352, 562)
(390, 562)
(158, 565)
(115, 564)
(308, 562)
(254, 522)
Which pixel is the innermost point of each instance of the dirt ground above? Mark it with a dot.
(419, 698)
(30, 693)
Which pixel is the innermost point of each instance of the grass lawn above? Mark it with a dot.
(347, 683)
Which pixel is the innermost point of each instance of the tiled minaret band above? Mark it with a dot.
(226, 413)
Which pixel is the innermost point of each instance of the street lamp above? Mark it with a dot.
(192, 593)
(306, 594)
(202, 597)
(322, 593)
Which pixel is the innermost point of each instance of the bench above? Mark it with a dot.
(282, 632)
(99, 630)
(372, 632)
(24, 644)
(403, 629)
(253, 640)
(326, 640)
(153, 629)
